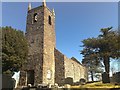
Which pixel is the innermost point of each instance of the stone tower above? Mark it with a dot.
(40, 33)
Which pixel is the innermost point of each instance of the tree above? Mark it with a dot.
(105, 46)
(92, 62)
(14, 49)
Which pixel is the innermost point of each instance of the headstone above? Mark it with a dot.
(8, 83)
(69, 80)
(105, 78)
(82, 81)
(116, 78)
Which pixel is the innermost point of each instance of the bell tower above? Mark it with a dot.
(40, 34)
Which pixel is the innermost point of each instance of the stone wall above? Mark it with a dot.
(34, 35)
(74, 69)
(68, 71)
(59, 68)
(49, 45)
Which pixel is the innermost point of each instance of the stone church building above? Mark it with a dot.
(45, 63)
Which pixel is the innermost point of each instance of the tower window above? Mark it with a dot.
(49, 20)
(35, 17)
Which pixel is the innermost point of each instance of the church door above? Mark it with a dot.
(30, 77)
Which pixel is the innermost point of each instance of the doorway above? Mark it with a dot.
(30, 77)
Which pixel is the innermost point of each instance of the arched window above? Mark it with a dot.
(35, 17)
(49, 20)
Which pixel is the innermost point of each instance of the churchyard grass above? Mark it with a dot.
(97, 85)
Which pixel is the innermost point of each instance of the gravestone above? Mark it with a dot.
(69, 80)
(82, 81)
(105, 78)
(8, 83)
(116, 78)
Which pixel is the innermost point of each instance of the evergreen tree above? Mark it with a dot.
(105, 46)
(92, 62)
(14, 49)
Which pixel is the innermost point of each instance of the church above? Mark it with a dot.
(45, 63)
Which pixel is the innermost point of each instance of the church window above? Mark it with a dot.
(35, 17)
(49, 20)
